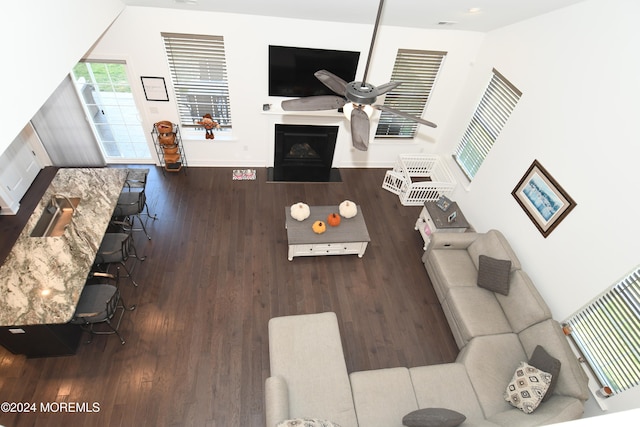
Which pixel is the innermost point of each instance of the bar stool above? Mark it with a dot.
(99, 304)
(117, 248)
(132, 202)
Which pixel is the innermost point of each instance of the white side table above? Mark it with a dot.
(433, 220)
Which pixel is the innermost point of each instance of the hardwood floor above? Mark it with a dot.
(216, 272)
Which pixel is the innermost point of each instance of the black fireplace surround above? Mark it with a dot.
(304, 153)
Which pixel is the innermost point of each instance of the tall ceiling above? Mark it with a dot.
(448, 14)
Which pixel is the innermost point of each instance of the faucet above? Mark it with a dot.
(53, 202)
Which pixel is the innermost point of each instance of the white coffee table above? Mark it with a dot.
(351, 237)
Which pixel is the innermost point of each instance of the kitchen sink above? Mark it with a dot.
(56, 216)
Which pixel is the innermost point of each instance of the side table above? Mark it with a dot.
(432, 219)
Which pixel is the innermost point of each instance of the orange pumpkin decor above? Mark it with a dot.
(333, 219)
(319, 227)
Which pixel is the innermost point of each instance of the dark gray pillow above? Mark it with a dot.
(545, 362)
(493, 274)
(433, 417)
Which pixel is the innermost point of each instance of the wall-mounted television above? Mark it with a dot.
(291, 69)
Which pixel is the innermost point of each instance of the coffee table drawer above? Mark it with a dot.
(320, 249)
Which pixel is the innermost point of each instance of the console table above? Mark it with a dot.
(349, 238)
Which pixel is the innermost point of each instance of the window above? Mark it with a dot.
(417, 70)
(199, 76)
(607, 332)
(493, 111)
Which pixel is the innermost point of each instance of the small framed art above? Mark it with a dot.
(155, 89)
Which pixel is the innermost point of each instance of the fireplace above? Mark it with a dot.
(304, 153)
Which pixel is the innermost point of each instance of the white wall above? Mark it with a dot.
(135, 36)
(578, 70)
(41, 41)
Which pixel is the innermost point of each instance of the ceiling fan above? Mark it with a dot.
(357, 98)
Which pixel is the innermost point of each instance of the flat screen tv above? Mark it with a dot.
(291, 69)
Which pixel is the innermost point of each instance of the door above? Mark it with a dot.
(109, 103)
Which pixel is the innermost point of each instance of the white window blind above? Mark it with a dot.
(607, 332)
(199, 76)
(417, 70)
(493, 111)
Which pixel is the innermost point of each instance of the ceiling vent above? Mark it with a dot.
(447, 22)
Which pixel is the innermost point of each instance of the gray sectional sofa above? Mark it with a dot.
(494, 332)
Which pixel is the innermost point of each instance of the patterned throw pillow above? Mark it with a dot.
(527, 387)
(307, 422)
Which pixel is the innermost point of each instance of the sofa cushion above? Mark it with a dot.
(493, 274)
(474, 312)
(306, 352)
(547, 363)
(557, 410)
(572, 380)
(433, 417)
(446, 385)
(490, 362)
(383, 396)
(527, 387)
(449, 268)
(493, 244)
(523, 306)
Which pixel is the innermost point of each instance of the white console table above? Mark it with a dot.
(351, 237)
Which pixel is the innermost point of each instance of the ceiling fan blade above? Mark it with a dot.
(405, 115)
(332, 81)
(387, 87)
(313, 103)
(360, 129)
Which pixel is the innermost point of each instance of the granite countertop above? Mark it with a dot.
(42, 278)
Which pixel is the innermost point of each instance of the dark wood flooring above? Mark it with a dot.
(216, 272)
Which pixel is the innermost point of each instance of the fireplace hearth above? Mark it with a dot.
(304, 153)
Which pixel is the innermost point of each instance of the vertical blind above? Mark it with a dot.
(417, 70)
(199, 76)
(491, 114)
(607, 332)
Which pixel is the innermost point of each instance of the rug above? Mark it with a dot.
(244, 174)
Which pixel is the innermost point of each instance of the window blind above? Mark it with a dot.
(199, 75)
(491, 114)
(417, 70)
(607, 332)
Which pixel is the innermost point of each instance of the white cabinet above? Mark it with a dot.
(19, 166)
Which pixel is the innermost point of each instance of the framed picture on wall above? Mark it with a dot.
(544, 201)
(155, 89)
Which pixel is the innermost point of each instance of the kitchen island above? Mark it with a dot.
(42, 278)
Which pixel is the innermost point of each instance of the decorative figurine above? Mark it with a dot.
(209, 124)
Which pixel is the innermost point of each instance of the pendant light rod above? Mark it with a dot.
(373, 42)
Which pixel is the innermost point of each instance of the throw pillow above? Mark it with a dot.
(433, 417)
(493, 274)
(307, 422)
(547, 363)
(527, 388)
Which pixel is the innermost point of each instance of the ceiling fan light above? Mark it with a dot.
(349, 106)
